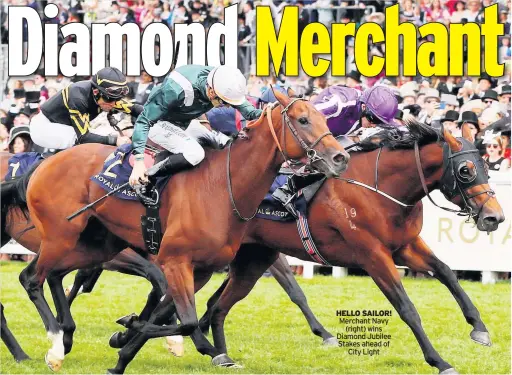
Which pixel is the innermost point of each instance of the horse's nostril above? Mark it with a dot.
(339, 158)
(490, 220)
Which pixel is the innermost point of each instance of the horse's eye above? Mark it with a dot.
(466, 172)
(303, 120)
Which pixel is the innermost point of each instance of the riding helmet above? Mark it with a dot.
(111, 83)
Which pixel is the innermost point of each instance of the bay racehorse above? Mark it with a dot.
(356, 227)
(202, 213)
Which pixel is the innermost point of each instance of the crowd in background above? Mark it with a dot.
(482, 102)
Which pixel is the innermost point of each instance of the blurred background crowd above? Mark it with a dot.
(483, 102)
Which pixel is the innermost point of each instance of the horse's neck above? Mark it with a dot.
(254, 166)
(407, 182)
(397, 171)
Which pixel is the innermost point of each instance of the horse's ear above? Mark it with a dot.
(281, 98)
(466, 133)
(454, 144)
(291, 93)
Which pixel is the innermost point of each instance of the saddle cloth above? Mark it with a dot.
(20, 163)
(117, 170)
(288, 196)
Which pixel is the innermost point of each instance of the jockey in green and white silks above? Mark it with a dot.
(186, 94)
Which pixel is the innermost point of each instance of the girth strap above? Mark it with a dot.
(307, 239)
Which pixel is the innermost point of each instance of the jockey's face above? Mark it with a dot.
(365, 121)
(106, 106)
(216, 101)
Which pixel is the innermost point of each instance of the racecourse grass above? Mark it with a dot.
(266, 333)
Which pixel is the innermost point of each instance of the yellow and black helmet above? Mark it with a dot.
(111, 83)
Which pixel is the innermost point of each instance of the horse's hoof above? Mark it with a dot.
(113, 371)
(175, 345)
(53, 364)
(451, 371)
(330, 342)
(115, 340)
(222, 360)
(482, 338)
(127, 320)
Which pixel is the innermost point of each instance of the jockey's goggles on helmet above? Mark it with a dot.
(115, 92)
(370, 116)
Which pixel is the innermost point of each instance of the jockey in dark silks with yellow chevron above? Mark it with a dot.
(64, 119)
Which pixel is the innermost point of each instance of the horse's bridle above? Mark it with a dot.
(310, 151)
(453, 183)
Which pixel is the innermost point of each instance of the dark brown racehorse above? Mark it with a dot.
(355, 227)
(202, 232)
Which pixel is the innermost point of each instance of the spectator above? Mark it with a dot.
(430, 108)
(19, 140)
(40, 83)
(473, 10)
(141, 90)
(504, 97)
(459, 13)
(449, 122)
(490, 97)
(505, 20)
(450, 102)
(471, 119)
(354, 80)
(495, 155)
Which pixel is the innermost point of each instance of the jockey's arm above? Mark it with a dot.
(78, 112)
(156, 107)
(128, 106)
(249, 111)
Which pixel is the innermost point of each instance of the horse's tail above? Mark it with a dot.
(14, 195)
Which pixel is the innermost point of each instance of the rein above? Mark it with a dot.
(375, 188)
(310, 152)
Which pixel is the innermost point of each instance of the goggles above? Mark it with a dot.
(114, 92)
(372, 118)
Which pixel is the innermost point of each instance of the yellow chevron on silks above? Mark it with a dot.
(124, 105)
(82, 117)
(100, 81)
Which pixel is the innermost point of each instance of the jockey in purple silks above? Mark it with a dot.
(357, 114)
(350, 112)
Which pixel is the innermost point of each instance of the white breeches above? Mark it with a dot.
(49, 134)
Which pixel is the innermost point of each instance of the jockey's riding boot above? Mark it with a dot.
(171, 165)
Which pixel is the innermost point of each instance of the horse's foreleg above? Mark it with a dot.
(284, 276)
(245, 270)
(32, 280)
(419, 257)
(64, 316)
(204, 322)
(9, 339)
(131, 263)
(179, 298)
(380, 266)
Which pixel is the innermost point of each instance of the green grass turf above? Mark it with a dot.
(266, 333)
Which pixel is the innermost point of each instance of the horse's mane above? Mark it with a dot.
(396, 139)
